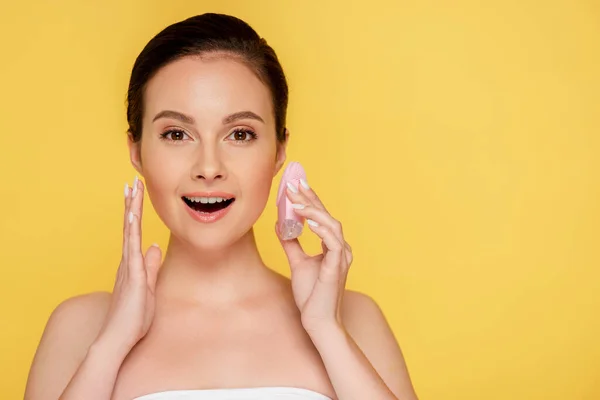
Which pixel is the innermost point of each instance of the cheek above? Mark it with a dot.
(160, 195)
(160, 180)
(257, 183)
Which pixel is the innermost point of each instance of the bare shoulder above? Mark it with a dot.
(365, 322)
(357, 304)
(78, 318)
(362, 315)
(70, 330)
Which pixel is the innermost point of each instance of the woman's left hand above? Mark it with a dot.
(318, 282)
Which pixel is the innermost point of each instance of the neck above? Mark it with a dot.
(223, 276)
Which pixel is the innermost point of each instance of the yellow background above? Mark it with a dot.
(457, 142)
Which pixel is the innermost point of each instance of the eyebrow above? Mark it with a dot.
(191, 121)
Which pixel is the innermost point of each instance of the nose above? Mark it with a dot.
(208, 165)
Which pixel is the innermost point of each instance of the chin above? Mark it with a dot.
(214, 240)
(218, 235)
(221, 235)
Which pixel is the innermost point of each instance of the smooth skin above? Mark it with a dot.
(211, 314)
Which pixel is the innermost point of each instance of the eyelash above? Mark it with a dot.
(253, 136)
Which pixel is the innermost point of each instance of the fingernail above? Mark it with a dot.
(155, 245)
(130, 217)
(126, 190)
(298, 206)
(304, 184)
(292, 188)
(311, 222)
(135, 182)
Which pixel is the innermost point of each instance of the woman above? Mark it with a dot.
(206, 109)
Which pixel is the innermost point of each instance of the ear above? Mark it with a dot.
(135, 153)
(281, 152)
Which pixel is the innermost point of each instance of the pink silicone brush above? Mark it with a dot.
(290, 224)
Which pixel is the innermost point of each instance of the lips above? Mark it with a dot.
(208, 206)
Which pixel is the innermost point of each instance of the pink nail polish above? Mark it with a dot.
(289, 222)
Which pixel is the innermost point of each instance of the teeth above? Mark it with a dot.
(206, 200)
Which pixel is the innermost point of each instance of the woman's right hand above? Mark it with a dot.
(132, 304)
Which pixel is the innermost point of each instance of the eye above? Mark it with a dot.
(242, 135)
(176, 135)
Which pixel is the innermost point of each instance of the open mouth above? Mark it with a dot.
(207, 205)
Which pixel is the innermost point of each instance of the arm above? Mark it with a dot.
(69, 356)
(88, 337)
(359, 351)
(96, 376)
(362, 358)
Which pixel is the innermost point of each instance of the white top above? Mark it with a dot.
(259, 393)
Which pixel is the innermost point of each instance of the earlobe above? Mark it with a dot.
(134, 154)
(281, 152)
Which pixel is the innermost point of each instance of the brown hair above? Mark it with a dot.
(199, 35)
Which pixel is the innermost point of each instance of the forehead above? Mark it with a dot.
(208, 88)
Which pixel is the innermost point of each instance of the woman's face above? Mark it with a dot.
(208, 131)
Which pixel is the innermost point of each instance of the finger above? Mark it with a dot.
(141, 201)
(126, 222)
(321, 216)
(152, 262)
(331, 280)
(310, 194)
(349, 256)
(137, 203)
(347, 253)
(122, 271)
(292, 248)
(323, 247)
(332, 262)
(304, 194)
(135, 261)
(295, 196)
